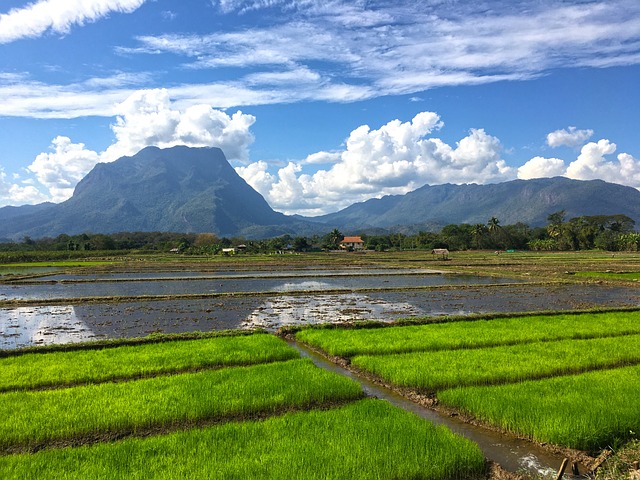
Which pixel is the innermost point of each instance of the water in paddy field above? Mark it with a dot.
(58, 286)
(289, 298)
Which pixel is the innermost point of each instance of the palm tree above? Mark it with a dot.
(334, 238)
(479, 231)
(495, 231)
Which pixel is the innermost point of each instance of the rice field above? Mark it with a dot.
(28, 419)
(470, 334)
(587, 411)
(442, 369)
(571, 380)
(232, 407)
(37, 370)
(368, 439)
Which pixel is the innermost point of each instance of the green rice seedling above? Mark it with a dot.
(470, 334)
(365, 440)
(71, 368)
(32, 418)
(633, 276)
(587, 411)
(451, 368)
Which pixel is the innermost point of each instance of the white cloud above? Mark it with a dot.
(16, 194)
(148, 117)
(592, 163)
(60, 170)
(341, 51)
(58, 16)
(394, 159)
(571, 137)
(540, 167)
(322, 158)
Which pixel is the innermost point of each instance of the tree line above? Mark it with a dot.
(605, 232)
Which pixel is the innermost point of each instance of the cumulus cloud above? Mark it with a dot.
(16, 194)
(540, 167)
(592, 163)
(146, 118)
(61, 169)
(571, 137)
(58, 16)
(394, 159)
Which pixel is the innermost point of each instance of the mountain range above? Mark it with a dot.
(182, 189)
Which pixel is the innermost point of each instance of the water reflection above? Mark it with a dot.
(230, 284)
(27, 326)
(24, 326)
(293, 310)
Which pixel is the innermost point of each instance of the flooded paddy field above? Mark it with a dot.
(42, 324)
(158, 283)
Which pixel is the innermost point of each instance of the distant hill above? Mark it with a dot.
(9, 213)
(194, 190)
(526, 201)
(178, 189)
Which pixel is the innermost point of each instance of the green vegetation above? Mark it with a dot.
(452, 368)
(633, 276)
(619, 465)
(74, 367)
(28, 419)
(369, 439)
(603, 232)
(470, 334)
(587, 411)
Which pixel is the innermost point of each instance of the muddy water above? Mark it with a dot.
(513, 454)
(47, 324)
(41, 290)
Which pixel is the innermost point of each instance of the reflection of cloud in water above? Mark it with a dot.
(27, 326)
(309, 285)
(293, 310)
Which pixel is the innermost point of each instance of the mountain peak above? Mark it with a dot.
(179, 189)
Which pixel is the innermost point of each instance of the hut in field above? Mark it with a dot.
(443, 252)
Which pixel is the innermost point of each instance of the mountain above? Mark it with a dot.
(183, 189)
(9, 213)
(178, 189)
(526, 201)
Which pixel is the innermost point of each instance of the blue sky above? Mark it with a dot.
(320, 104)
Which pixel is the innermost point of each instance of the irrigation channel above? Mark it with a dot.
(511, 453)
(70, 307)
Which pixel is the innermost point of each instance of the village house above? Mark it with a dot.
(352, 243)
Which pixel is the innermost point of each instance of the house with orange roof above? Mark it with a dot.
(352, 243)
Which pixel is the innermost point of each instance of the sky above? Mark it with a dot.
(319, 104)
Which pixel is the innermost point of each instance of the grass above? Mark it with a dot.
(621, 463)
(587, 411)
(30, 419)
(470, 334)
(35, 370)
(369, 439)
(451, 368)
(614, 275)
